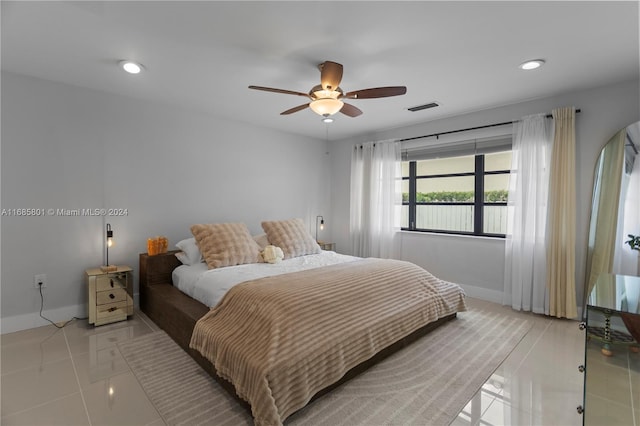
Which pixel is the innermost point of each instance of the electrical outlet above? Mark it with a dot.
(40, 280)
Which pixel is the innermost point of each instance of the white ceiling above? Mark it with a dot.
(202, 55)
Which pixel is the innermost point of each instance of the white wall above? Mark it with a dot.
(68, 147)
(478, 263)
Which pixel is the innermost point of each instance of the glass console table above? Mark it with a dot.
(612, 352)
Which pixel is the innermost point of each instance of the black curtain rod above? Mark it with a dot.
(437, 135)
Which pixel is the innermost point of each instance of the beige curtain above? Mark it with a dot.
(561, 245)
(606, 199)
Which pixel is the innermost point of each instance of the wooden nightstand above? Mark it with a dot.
(327, 246)
(110, 295)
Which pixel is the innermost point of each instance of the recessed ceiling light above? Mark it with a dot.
(531, 65)
(327, 120)
(131, 67)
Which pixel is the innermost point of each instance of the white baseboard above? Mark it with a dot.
(482, 293)
(33, 320)
(495, 296)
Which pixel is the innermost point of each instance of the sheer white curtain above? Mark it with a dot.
(375, 198)
(525, 251)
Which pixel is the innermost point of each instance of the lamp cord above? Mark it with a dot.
(43, 317)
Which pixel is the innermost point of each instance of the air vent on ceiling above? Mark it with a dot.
(425, 106)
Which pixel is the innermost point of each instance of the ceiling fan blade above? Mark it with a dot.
(330, 75)
(350, 110)
(295, 109)
(378, 92)
(286, 92)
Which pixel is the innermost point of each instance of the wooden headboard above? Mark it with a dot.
(157, 269)
(169, 308)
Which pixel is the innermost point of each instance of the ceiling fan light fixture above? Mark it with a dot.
(325, 99)
(321, 93)
(327, 119)
(326, 106)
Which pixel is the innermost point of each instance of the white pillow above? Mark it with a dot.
(183, 258)
(190, 254)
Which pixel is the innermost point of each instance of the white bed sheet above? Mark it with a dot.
(208, 286)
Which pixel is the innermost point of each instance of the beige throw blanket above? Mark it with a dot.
(281, 339)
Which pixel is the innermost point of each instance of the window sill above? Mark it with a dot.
(446, 235)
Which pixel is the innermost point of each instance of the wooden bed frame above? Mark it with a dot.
(177, 314)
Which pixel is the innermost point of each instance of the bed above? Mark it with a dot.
(279, 335)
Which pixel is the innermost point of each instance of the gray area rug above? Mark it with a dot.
(427, 383)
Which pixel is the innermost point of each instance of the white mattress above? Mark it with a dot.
(208, 286)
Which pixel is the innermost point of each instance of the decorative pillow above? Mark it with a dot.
(291, 236)
(262, 240)
(226, 244)
(272, 254)
(190, 254)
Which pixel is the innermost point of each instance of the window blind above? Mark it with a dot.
(444, 149)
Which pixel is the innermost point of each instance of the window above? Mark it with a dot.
(440, 194)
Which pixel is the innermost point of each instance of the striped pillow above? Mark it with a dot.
(226, 244)
(291, 236)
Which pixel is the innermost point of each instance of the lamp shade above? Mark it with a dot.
(109, 243)
(321, 225)
(326, 106)
(109, 236)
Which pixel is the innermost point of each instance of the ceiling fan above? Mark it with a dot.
(327, 98)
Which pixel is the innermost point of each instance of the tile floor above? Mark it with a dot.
(613, 386)
(76, 376)
(538, 383)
